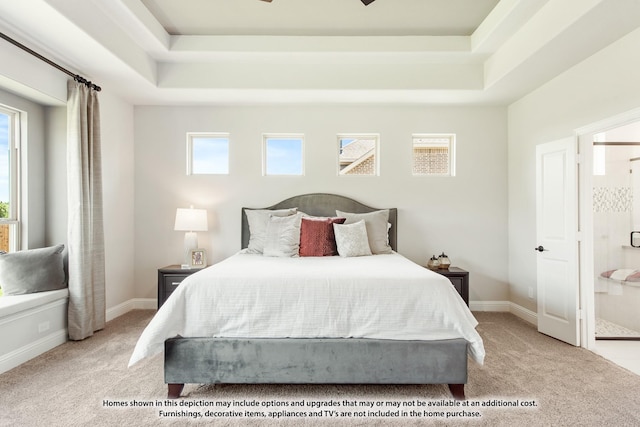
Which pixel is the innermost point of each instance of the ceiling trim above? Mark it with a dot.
(521, 45)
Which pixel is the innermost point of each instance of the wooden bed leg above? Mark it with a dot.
(457, 391)
(175, 390)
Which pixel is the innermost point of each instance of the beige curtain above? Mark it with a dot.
(85, 224)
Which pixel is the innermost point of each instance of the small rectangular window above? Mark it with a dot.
(358, 154)
(283, 154)
(207, 153)
(9, 179)
(434, 154)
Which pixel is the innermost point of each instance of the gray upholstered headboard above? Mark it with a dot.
(323, 204)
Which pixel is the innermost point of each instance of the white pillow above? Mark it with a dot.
(282, 238)
(258, 220)
(377, 223)
(351, 239)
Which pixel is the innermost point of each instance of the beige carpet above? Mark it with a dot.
(79, 383)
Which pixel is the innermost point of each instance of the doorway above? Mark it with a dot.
(616, 216)
(592, 262)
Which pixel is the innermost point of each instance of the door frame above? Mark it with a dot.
(584, 136)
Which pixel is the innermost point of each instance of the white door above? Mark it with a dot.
(557, 245)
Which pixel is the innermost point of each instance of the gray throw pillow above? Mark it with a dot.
(377, 223)
(34, 270)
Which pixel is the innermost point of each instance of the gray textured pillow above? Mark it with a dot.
(377, 223)
(258, 220)
(282, 238)
(34, 270)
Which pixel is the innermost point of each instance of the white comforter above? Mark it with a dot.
(253, 296)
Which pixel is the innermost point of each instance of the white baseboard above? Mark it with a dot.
(505, 306)
(36, 348)
(524, 313)
(489, 306)
(132, 304)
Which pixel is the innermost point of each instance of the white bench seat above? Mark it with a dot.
(12, 304)
(30, 325)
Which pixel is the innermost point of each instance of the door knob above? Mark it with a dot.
(540, 249)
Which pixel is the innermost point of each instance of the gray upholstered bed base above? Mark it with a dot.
(316, 361)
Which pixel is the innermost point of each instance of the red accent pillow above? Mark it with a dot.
(317, 237)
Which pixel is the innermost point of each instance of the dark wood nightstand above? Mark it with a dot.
(459, 279)
(169, 278)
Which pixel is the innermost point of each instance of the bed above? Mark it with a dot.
(314, 319)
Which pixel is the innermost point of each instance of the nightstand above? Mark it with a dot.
(169, 278)
(459, 279)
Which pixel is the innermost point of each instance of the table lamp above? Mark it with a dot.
(190, 220)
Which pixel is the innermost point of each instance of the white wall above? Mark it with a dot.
(464, 216)
(56, 173)
(118, 197)
(46, 216)
(600, 87)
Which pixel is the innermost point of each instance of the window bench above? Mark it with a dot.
(30, 325)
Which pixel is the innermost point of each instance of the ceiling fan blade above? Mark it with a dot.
(269, 1)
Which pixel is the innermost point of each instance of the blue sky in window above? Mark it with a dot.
(345, 141)
(4, 157)
(284, 156)
(210, 155)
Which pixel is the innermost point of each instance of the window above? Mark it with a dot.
(207, 153)
(358, 154)
(283, 154)
(434, 155)
(9, 181)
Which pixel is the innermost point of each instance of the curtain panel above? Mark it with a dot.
(85, 217)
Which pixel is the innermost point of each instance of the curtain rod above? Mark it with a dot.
(76, 77)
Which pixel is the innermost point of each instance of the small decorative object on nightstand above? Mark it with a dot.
(169, 278)
(198, 258)
(433, 263)
(444, 261)
(459, 278)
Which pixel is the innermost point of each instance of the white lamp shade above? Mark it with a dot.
(191, 220)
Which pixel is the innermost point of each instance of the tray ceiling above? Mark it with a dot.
(471, 52)
(321, 17)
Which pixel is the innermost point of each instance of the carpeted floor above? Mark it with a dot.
(88, 383)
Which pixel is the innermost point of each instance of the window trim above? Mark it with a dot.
(15, 177)
(452, 153)
(367, 135)
(190, 138)
(292, 136)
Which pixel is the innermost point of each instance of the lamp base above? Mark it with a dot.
(190, 243)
